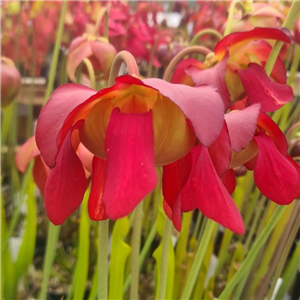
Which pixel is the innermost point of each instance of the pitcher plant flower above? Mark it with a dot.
(238, 57)
(130, 127)
(10, 81)
(97, 49)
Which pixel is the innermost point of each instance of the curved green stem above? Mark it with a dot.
(248, 262)
(288, 23)
(232, 6)
(102, 13)
(193, 275)
(53, 234)
(91, 72)
(129, 60)
(136, 242)
(103, 260)
(190, 50)
(164, 260)
(56, 51)
(210, 31)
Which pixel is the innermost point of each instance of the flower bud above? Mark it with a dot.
(10, 81)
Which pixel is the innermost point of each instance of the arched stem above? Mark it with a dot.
(210, 31)
(128, 59)
(232, 6)
(190, 50)
(103, 13)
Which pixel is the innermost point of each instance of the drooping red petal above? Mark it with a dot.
(274, 175)
(279, 34)
(213, 76)
(52, 116)
(180, 76)
(220, 151)
(40, 172)
(261, 89)
(95, 205)
(79, 49)
(241, 126)
(212, 198)
(203, 106)
(175, 176)
(131, 175)
(228, 179)
(274, 132)
(66, 184)
(26, 152)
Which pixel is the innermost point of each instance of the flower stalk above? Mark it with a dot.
(174, 62)
(129, 60)
(136, 242)
(103, 260)
(164, 260)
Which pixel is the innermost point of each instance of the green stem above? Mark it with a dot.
(288, 23)
(210, 31)
(91, 72)
(248, 262)
(56, 51)
(197, 224)
(164, 260)
(187, 51)
(294, 66)
(230, 15)
(193, 275)
(102, 13)
(143, 254)
(136, 242)
(129, 60)
(103, 260)
(53, 234)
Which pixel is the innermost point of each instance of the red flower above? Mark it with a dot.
(98, 50)
(10, 81)
(130, 127)
(236, 69)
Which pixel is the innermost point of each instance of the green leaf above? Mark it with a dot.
(82, 266)
(26, 252)
(119, 254)
(157, 254)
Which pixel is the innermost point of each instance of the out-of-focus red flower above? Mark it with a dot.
(98, 50)
(259, 15)
(236, 68)
(211, 14)
(140, 40)
(10, 81)
(130, 127)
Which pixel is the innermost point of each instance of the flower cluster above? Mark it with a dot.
(116, 137)
(142, 31)
(211, 119)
